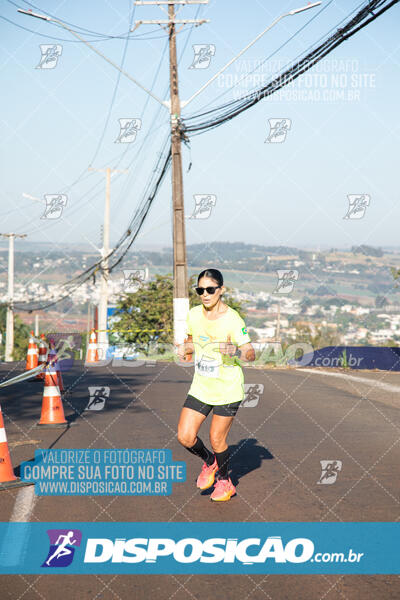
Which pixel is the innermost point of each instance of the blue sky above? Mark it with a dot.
(343, 137)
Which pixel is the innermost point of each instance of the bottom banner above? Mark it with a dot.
(220, 548)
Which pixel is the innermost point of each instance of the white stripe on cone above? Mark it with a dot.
(51, 390)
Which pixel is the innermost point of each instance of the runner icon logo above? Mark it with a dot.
(202, 56)
(62, 547)
(128, 130)
(55, 204)
(357, 205)
(50, 54)
(133, 279)
(98, 396)
(286, 280)
(330, 470)
(278, 129)
(252, 393)
(203, 205)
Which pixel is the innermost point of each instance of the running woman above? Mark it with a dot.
(218, 337)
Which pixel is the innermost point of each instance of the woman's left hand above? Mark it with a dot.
(227, 348)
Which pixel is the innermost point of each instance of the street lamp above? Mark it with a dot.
(295, 11)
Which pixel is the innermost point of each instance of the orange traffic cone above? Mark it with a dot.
(54, 360)
(42, 358)
(33, 353)
(92, 355)
(59, 377)
(7, 477)
(52, 407)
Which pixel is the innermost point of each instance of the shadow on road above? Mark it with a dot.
(246, 456)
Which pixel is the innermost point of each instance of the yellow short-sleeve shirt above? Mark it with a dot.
(217, 379)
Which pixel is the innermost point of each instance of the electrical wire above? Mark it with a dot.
(114, 92)
(156, 116)
(137, 37)
(76, 27)
(156, 179)
(96, 36)
(229, 110)
(285, 43)
(85, 174)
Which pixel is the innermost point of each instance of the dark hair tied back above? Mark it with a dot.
(212, 274)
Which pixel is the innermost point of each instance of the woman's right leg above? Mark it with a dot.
(189, 424)
(188, 427)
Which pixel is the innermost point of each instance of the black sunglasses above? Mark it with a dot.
(209, 290)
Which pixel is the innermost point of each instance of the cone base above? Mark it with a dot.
(53, 425)
(16, 483)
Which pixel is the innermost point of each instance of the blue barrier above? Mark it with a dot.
(355, 357)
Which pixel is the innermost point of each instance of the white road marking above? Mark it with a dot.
(12, 554)
(24, 505)
(371, 382)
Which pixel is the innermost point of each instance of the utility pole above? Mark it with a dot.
(105, 274)
(181, 294)
(10, 305)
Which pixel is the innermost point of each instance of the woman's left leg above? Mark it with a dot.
(220, 426)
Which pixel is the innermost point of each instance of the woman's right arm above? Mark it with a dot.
(186, 348)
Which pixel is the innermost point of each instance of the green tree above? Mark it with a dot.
(396, 275)
(21, 335)
(150, 311)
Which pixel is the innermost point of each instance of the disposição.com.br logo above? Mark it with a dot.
(62, 547)
(185, 551)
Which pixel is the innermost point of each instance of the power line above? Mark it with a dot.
(84, 175)
(128, 237)
(155, 118)
(157, 113)
(229, 110)
(76, 28)
(285, 43)
(115, 89)
(132, 38)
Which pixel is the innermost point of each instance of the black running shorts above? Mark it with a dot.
(224, 410)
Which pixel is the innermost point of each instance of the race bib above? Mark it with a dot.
(207, 367)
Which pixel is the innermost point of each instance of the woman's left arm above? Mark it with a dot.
(247, 352)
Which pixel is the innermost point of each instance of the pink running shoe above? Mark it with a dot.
(206, 478)
(224, 490)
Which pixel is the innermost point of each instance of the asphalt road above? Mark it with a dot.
(301, 418)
